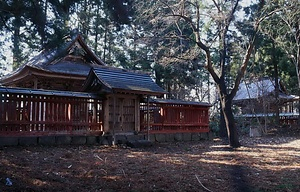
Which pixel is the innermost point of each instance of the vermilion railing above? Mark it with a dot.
(174, 118)
(48, 113)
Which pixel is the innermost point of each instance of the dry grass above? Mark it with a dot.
(262, 164)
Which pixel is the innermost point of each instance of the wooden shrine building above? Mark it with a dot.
(70, 91)
(256, 101)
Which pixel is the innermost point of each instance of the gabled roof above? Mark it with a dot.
(105, 79)
(74, 51)
(260, 88)
(72, 58)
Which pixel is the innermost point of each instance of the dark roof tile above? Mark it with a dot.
(119, 79)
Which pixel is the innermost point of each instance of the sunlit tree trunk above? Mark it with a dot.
(276, 79)
(17, 53)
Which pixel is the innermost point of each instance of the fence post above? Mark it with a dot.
(148, 119)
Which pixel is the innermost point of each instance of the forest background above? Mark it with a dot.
(174, 41)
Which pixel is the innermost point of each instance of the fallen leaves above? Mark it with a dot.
(262, 164)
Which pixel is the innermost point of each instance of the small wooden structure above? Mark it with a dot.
(256, 100)
(123, 91)
(174, 116)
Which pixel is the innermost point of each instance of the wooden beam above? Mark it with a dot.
(137, 115)
(114, 119)
(148, 119)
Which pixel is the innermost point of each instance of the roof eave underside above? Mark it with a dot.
(137, 92)
(29, 70)
(48, 92)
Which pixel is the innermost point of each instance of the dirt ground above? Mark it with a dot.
(270, 163)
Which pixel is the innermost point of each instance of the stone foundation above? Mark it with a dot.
(101, 140)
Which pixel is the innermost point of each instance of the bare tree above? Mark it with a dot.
(211, 26)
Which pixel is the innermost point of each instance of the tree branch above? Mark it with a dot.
(243, 68)
(219, 10)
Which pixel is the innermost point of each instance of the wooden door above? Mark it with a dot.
(123, 114)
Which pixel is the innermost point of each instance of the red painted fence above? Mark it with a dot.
(25, 112)
(29, 112)
(175, 117)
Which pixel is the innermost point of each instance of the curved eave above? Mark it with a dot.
(48, 92)
(102, 85)
(29, 71)
(107, 86)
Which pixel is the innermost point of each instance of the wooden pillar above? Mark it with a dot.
(137, 115)
(148, 119)
(121, 114)
(114, 120)
(35, 83)
(106, 115)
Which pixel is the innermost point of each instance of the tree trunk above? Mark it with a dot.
(226, 104)
(298, 76)
(105, 42)
(276, 79)
(298, 93)
(222, 127)
(16, 42)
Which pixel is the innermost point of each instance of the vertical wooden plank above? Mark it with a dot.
(148, 118)
(38, 97)
(35, 83)
(114, 117)
(95, 111)
(69, 113)
(106, 113)
(18, 111)
(49, 115)
(137, 115)
(44, 101)
(120, 116)
(34, 114)
(86, 113)
(2, 111)
(73, 115)
(56, 109)
(2, 103)
(29, 112)
(12, 109)
(99, 115)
